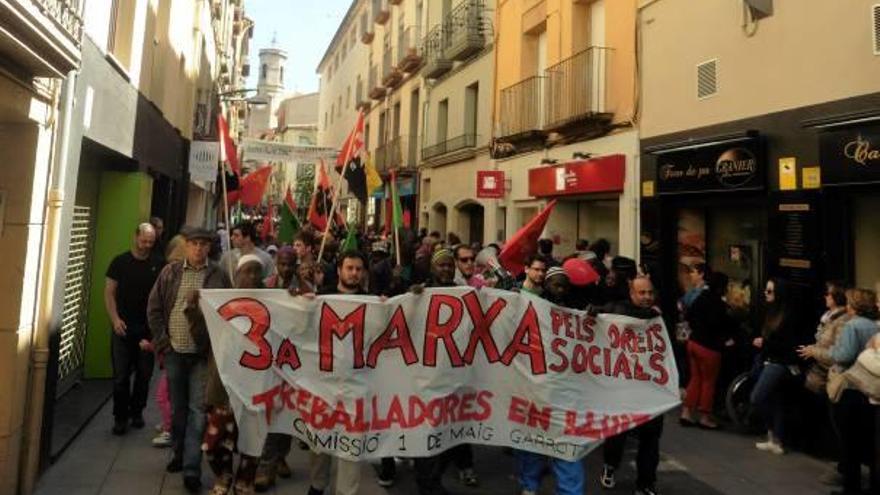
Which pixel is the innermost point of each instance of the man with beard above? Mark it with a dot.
(350, 270)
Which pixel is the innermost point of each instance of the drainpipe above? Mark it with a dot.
(40, 343)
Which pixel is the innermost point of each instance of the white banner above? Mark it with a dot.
(418, 374)
(203, 159)
(270, 151)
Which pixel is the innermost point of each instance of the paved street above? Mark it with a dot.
(694, 462)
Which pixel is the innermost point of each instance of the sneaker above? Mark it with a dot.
(831, 478)
(528, 492)
(137, 421)
(646, 490)
(770, 446)
(119, 427)
(162, 440)
(265, 477)
(244, 488)
(176, 464)
(607, 479)
(221, 486)
(468, 477)
(192, 484)
(283, 469)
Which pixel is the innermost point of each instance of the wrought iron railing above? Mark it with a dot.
(381, 11)
(577, 87)
(464, 141)
(464, 25)
(66, 14)
(522, 107)
(434, 45)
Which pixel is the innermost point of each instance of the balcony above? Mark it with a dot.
(391, 75)
(436, 63)
(577, 89)
(398, 154)
(377, 91)
(522, 107)
(409, 53)
(42, 36)
(465, 30)
(395, 2)
(463, 142)
(381, 11)
(367, 33)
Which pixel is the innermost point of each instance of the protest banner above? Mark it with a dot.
(418, 374)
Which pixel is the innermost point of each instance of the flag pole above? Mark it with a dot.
(332, 213)
(226, 211)
(393, 206)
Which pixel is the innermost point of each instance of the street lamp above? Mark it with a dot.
(240, 95)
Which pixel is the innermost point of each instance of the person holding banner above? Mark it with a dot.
(221, 434)
(429, 470)
(640, 304)
(570, 475)
(350, 270)
(185, 360)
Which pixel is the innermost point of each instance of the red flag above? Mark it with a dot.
(228, 146)
(269, 223)
(252, 187)
(353, 145)
(288, 199)
(524, 243)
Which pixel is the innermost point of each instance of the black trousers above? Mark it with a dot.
(855, 419)
(429, 473)
(648, 456)
(132, 369)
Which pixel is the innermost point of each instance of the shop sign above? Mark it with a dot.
(490, 184)
(708, 169)
(597, 175)
(203, 159)
(271, 151)
(850, 156)
(787, 174)
(812, 177)
(795, 227)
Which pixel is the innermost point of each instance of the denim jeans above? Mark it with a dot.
(767, 397)
(570, 475)
(130, 396)
(186, 381)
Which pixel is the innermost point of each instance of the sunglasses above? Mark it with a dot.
(467, 259)
(768, 291)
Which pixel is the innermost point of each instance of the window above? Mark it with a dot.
(442, 120)
(332, 111)
(325, 121)
(471, 100)
(263, 71)
(348, 97)
(339, 107)
(281, 75)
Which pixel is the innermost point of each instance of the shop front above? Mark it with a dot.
(707, 203)
(588, 199)
(850, 158)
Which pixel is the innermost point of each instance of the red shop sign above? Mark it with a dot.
(596, 175)
(490, 184)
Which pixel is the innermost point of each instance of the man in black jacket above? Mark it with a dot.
(640, 304)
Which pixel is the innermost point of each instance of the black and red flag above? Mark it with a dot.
(350, 162)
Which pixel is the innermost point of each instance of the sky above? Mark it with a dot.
(303, 28)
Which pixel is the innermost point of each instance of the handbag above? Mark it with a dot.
(837, 382)
(816, 380)
(864, 374)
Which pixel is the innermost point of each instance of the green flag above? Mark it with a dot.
(350, 243)
(289, 225)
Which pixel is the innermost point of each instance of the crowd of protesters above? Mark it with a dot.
(152, 294)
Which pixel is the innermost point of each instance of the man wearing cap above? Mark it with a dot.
(185, 357)
(570, 475)
(130, 277)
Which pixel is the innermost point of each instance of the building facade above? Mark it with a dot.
(565, 108)
(40, 52)
(141, 80)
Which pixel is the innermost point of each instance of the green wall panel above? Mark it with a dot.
(123, 203)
